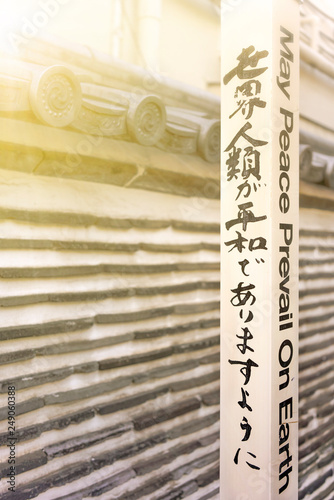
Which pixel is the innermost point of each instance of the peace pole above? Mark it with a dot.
(260, 192)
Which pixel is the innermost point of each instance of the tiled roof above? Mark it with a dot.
(72, 87)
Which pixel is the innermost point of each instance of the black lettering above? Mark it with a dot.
(284, 40)
(284, 303)
(285, 176)
(284, 140)
(284, 406)
(284, 160)
(284, 432)
(284, 384)
(288, 115)
(284, 203)
(288, 233)
(286, 343)
(285, 474)
(284, 267)
(283, 287)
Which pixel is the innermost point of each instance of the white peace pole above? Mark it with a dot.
(260, 191)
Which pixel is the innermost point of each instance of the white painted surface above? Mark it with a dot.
(245, 27)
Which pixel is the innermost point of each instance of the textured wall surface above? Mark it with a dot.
(316, 376)
(110, 334)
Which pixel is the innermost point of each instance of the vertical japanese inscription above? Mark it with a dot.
(260, 251)
(243, 174)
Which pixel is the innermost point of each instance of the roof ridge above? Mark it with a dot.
(128, 74)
